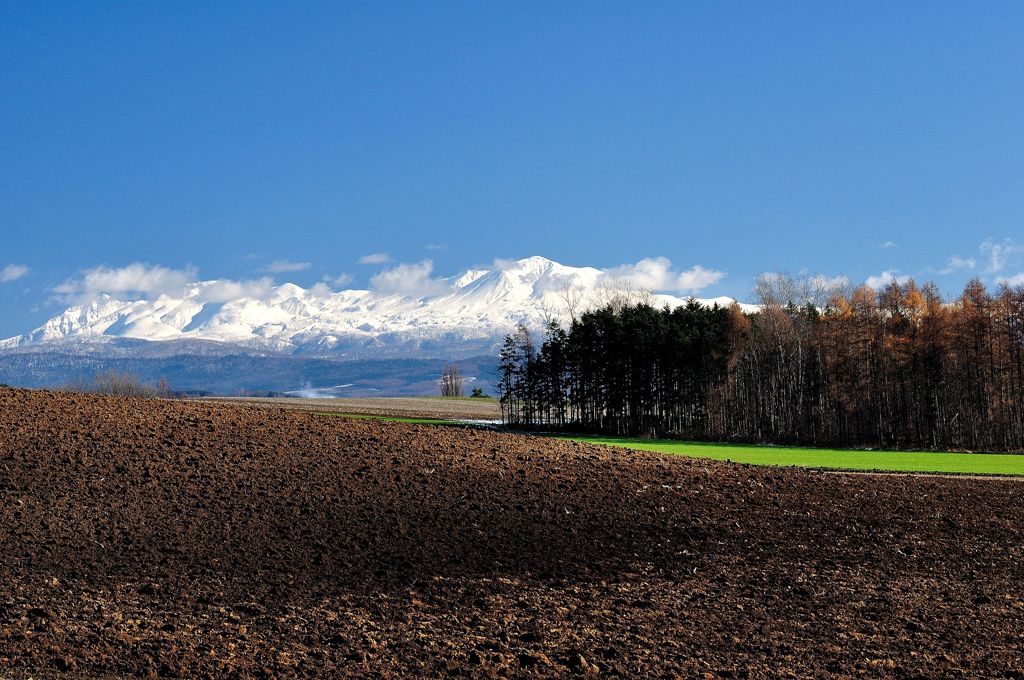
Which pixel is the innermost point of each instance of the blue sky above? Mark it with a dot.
(840, 138)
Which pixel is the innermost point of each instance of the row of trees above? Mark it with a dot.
(816, 365)
(117, 384)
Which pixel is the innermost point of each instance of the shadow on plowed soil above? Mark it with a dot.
(194, 539)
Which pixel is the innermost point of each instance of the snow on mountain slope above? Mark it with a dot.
(470, 316)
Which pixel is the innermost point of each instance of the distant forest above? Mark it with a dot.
(817, 365)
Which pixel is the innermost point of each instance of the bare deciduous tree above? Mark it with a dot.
(451, 381)
(782, 289)
(618, 294)
(116, 384)
(572, 300)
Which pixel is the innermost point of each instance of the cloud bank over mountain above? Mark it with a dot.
(407, 310)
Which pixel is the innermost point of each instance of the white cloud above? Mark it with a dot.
(12, 272)
(1013, 281)
(435, 246)
(282, 266)
(139, 280)
(339, 281)
(657, 274)
(957, 263)
(375, 258)
(413, 280)
(320, 289)
(999, 253)
(884, 279)
(890, 245)
(501, 264)
(136, 279)
(226, 290)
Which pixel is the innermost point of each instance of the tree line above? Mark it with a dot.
(117, 384)
(817, 364)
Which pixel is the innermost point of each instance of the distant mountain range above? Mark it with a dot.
(459, 318)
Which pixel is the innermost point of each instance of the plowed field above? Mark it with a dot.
(207, 540)
(399, 407)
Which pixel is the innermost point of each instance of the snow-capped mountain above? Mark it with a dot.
(465, 315)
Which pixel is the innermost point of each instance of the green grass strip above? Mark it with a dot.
(840, 459)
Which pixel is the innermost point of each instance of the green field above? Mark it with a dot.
(842, 459)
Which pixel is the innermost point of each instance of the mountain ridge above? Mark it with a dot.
(461, 316)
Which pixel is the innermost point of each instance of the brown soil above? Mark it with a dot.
(209, 540)
(401, 407)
